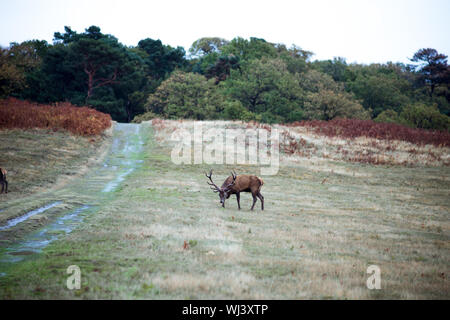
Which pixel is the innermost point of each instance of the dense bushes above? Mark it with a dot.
(15, 113)
(186, 95)
(425, 117)
(266, 87)
(234, 110)
(417, 116)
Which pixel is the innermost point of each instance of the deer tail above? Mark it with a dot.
(261, 180)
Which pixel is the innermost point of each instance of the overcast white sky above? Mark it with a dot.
(363, 31)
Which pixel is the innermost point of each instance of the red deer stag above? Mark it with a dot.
(3, 181)
(235, 184)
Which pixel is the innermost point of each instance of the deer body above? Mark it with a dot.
(3, 180)
(236, 184)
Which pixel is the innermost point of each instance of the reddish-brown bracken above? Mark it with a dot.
(15, 113)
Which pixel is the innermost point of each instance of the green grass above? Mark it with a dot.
(39, 160)
(312, 241)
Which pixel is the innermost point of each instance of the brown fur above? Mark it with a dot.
(244, 183)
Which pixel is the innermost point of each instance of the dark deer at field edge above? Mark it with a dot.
(3, 180)
(235, 184)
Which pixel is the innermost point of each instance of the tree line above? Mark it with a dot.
(244, 79)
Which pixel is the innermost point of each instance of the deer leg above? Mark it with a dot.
(6, 186)
(254, 201)
(238, 198)
(260, 196)
(3, 186)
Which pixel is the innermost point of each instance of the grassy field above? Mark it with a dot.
(36, 159)
(41, 160)
(161, 234)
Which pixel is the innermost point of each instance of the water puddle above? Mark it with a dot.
(123, 151)
(113, 184)
(11, 223)
(121, 161)
(38, 240)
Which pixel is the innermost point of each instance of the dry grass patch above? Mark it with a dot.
(163, 234)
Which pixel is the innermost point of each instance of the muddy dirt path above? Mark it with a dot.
(46, 217)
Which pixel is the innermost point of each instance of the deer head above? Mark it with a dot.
(224, 191)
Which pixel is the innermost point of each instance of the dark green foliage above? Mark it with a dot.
(94, 69)
(100, 70)
(161, 60)
(266, 87)
(11, 77)
(186, 95)
(247, 50)
(425, 117)
(296, 59)
(19, 67)
(336, 68)
(145, 117)
(433, 68)
(242, 79)
(379, 88)
(417, 116)
(327, 99)
(222, 68)
(388, 116)
(207, 46)
(234, 110)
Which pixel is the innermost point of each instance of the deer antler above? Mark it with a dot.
(233, 174)
(212, 184)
